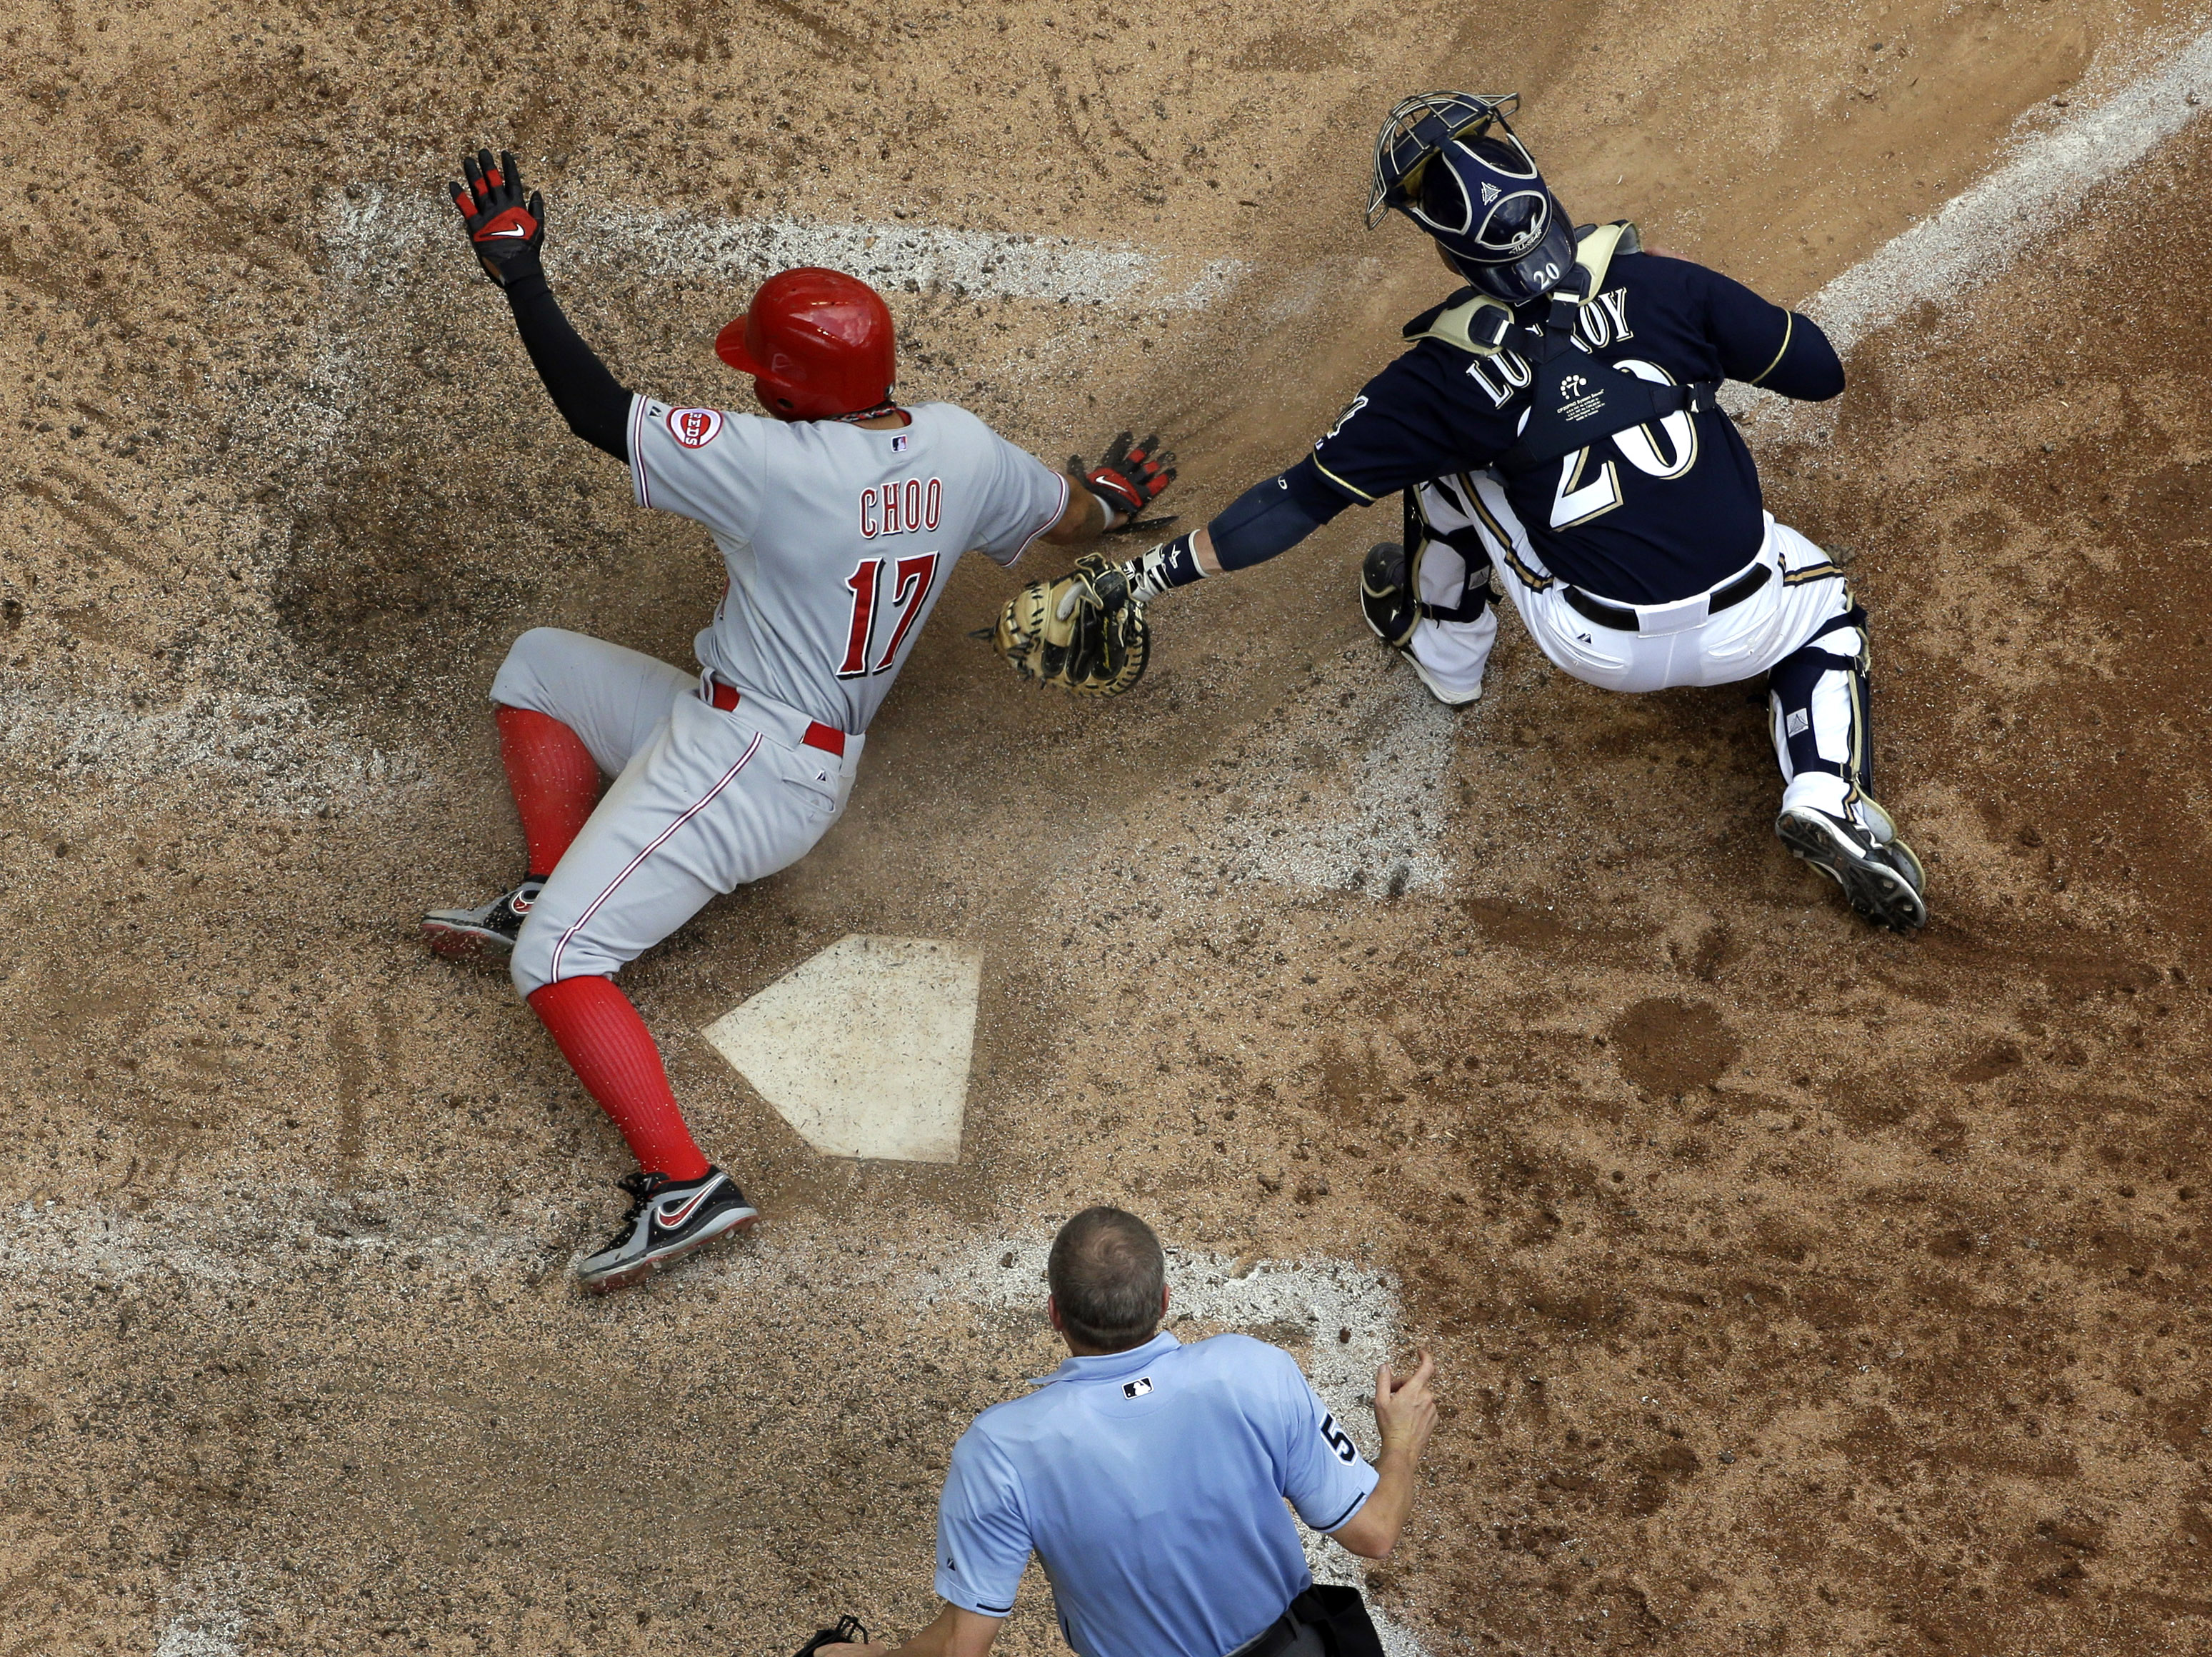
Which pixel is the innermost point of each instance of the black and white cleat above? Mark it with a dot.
(484, 932)
(667, 1219)
(1883, 880)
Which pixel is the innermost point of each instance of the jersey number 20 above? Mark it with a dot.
(1577, 500)
(911, 579)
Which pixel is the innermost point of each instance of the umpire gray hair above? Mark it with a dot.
(1107, 1272)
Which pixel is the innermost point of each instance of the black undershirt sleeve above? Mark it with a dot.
(595, 406)
(1274, 517)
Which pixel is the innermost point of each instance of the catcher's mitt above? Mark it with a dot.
(848, 1632)
(1083, 631)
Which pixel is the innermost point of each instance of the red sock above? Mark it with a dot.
(607, 1045)
(553, 780)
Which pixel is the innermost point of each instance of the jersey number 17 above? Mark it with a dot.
(912, 577)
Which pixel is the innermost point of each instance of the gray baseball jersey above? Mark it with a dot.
(838, 540)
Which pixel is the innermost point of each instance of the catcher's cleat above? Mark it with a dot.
(1883, 879)
(485, 931)
(667, 1219)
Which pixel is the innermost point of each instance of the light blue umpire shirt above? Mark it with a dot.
(1151, 1482)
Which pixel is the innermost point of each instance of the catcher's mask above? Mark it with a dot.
(818, 345)
(1450, 162)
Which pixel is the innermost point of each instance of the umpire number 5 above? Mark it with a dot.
(1339, 1441)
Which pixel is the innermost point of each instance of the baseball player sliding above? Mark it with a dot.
(1556, 421)
(840, 519)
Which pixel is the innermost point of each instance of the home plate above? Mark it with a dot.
(865, 1048)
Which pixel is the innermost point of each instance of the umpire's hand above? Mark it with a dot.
(1406, 1410)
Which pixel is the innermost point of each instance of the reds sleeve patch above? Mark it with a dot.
(694, 428)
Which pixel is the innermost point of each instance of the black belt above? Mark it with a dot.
(1622, 619)
(1339, 1613)
(1280, 1635)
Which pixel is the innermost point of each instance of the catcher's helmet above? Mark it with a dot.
(817, 343)
(1449, 161)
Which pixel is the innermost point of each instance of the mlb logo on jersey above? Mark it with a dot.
(900, 441)
(694, 428)
(1137, 1388)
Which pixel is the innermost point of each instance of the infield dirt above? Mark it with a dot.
(1794, 1287)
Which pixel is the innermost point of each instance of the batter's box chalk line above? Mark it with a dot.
(364, 223)
(1344, 1316)
(1977, 232)
(1382, 834)
(200, 1636)
(279, 1240)
(203, 1616)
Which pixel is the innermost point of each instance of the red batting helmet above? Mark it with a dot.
(817, 344)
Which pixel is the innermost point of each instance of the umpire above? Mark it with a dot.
(1150, 1478)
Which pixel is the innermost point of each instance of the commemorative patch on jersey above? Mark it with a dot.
(694, 428)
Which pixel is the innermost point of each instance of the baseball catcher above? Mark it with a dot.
(1555, 422)
(840, 516)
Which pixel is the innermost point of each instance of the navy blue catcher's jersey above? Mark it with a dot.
(1647, 516)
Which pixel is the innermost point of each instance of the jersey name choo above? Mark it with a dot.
(907, 507)
(838, 539)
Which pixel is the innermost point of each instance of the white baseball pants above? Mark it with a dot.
(1803, 628)
(703, 801)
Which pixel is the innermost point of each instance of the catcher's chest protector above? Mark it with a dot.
(1574, 399)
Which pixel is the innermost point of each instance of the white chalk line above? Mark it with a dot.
(274, 748)
(279, 1241)
(1381, 834)
(1365, 818)
(365, 221)
(212, 1633)
(1973, 235)
(1316, 1298)
(1316, 1302)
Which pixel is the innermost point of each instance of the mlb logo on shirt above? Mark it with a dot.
(899, 442)
(1137, 1388)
